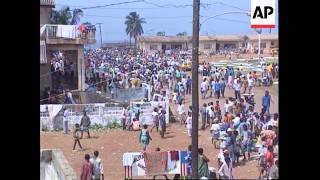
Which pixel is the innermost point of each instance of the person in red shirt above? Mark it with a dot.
(269, 157)
(87, 167)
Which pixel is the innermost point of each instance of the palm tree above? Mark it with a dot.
(134, 26)
(161, 33)
(61, 16)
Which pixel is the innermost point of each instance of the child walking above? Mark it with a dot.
(145, 137)
(76, 136)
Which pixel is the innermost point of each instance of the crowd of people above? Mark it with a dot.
(62, 72)
(110, 70)
(237, 127)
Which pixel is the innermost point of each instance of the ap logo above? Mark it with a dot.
(263, 14)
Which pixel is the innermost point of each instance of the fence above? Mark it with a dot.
(65, 31)
(51, 115)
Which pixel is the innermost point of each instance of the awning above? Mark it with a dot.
(43, 52)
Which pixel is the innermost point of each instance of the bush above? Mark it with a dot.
(113, 124)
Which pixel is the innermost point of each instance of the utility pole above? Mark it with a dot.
(195, 89)
(100, 35)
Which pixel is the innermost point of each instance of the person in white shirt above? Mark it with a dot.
(61, 68)
(65, 120)
(69, 94)
(211, 114)
(181, 113)
(200, 68)
(155, 118)
(208, 110)
(250, 84)
(212, 88)
(225, 169)
(237, 88)
(56, 66)
(204, 88)
(215, 133)
(189, 124)
(97, 173)
(226, 106)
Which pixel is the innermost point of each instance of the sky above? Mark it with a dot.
(170, 16)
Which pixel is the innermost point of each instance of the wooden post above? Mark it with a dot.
(195, 89)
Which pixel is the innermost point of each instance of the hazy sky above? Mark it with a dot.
(170, 16)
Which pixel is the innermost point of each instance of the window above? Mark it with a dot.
(153, 47)
(207, 46)
(263, 45)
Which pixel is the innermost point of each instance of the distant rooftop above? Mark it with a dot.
(206, 38)
(47, 3)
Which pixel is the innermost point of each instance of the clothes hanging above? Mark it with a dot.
(127, 159)
(156, 162)
(171, 164)
(66, 31)
(174, 155)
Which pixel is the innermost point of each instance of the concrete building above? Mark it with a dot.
(50, 42)
(208, 44)
(120, 45)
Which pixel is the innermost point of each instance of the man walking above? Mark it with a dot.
(222, 86)
(204, 88)
(189, 82)
(85, 124)
(162, 123)
(97, 173)
(266, 99)
(217, 88)
(203, 112)
(86, 172)
(237, 88)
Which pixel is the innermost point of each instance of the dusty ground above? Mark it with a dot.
(114, 143)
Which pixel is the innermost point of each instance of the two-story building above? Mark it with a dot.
(53, 38)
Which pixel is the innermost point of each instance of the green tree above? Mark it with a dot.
(245, 39)
(161, 33)
(182, 34)
(134, 26)
(65, 17)
(76, 13)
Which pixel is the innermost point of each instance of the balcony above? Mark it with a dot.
(49, 3)
(66, 34)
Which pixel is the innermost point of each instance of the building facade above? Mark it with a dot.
(208, 44)
(51, 41)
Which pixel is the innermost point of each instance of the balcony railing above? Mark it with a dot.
(47, 2)
(65, 31)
